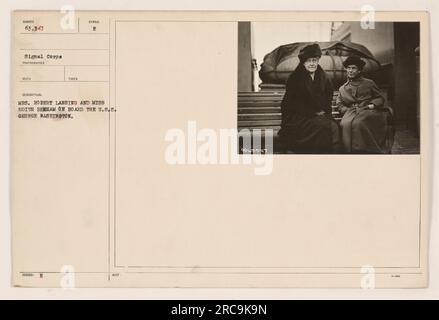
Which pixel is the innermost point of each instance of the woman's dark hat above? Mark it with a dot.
(310, 51)
(354, 60)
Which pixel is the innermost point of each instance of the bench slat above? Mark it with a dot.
(248, 110)
(274, 128)
(255, 123)
(259, 104)
(259, 116)
(262, 98)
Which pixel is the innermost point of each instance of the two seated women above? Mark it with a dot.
(307, 123)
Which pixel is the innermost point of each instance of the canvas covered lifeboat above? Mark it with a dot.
(279, 63)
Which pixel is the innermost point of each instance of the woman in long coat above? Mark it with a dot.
(364, 124)
(307, 124)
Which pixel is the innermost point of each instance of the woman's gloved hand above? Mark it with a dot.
(343, 110)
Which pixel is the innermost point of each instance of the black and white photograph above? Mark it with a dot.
(329, 87)
(230, 154)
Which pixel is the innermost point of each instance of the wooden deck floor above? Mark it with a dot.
(406, 142)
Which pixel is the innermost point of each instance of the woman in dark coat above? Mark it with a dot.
(307, 124)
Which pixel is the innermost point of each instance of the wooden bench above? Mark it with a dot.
(261, 110)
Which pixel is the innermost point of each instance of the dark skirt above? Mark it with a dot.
(315, 135)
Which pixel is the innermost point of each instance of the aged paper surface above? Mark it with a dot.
(97, 98)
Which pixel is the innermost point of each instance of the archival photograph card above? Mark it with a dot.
(220, 149)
